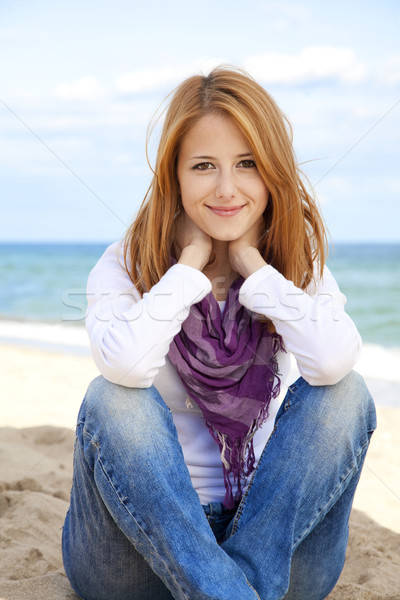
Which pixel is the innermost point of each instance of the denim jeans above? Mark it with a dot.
(136, 530)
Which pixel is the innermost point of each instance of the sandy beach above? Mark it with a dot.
(40, 396)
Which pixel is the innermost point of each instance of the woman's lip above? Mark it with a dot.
(225, 211)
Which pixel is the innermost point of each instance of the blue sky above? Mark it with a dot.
(79, 82)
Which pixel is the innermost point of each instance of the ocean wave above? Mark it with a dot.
(49, 336)
(379, 362)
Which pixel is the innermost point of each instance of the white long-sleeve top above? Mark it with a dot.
(130, 338)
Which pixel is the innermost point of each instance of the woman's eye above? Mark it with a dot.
(247, 164)
(202, 166)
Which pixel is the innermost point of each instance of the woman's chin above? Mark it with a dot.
(225, 237)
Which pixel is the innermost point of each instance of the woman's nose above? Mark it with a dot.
(226, 188)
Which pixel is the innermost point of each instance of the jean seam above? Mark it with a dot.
(93, 443)
(120, 500)
(244, 498)
(251, 587)
(241, 506)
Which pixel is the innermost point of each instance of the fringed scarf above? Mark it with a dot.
(228, 365)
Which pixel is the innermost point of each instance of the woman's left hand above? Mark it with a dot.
(244, 256)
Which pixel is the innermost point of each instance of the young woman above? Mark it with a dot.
(195, 476)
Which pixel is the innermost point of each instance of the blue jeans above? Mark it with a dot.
(136, 530)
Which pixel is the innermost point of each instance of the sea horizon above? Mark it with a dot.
(100, 242)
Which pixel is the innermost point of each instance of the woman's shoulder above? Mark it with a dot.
(112, 258)
(113, 253)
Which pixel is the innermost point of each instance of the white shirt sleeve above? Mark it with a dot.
(313, 323)
(130, 336)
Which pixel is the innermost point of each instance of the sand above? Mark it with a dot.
(40, 396)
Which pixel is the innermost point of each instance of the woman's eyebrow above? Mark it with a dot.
(202, 157)
(246, 154)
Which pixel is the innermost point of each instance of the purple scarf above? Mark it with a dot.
(228, 365)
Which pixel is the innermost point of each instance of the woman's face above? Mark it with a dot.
(221, 188)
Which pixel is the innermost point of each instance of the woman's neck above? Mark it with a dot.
(220, 272)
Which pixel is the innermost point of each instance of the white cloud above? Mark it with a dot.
(38, 155)
(147, 80)
(390, 71)
(83, 89)
(315, 63)
(46, 116)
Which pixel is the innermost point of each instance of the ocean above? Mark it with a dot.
(369, 275)
(43, 289)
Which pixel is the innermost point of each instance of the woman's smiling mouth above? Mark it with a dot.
(225, 211)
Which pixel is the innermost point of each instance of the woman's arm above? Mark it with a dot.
(313, 323)
(129, 335)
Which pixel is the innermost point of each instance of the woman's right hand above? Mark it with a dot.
(192, 246)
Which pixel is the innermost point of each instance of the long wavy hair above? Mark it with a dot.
(294, 237)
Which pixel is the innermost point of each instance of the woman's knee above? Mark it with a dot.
(116, 422)
(106, 401)
(355, 401)
(336, 416)
(114, 412)
(348, 400)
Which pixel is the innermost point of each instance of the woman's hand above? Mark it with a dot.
(192, 246)
(244, 256)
